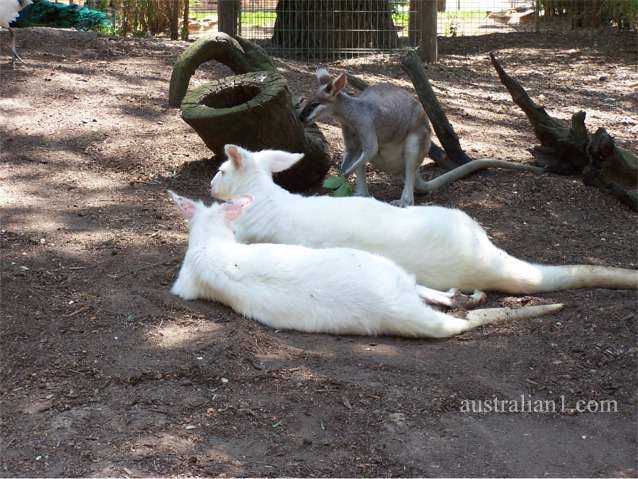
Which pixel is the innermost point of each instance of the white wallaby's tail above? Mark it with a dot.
(520, 277)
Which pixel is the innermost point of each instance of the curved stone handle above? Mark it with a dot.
(238, 54)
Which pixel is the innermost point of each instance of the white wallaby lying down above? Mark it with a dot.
(335, 290)
(443, 247)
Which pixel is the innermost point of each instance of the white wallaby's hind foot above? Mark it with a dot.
(478, 317)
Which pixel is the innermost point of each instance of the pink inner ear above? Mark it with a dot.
(187, 207)
(232, 211)
(234, 155)
(246, 200)
(340, 82)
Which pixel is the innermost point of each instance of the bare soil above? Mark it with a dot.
(104, 373)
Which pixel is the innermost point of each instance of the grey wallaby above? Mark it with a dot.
(385, 125)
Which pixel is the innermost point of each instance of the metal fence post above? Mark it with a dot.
(428, 24)
(228, 12)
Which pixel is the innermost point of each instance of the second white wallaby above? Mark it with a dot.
(443, 247)
(335, 290)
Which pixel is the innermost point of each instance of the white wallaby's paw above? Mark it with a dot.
(185, 289)
(460, 300)
(478, 297)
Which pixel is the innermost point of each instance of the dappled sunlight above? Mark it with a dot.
(162, 443)
(107, 373)
(176, 335)
(377, 349)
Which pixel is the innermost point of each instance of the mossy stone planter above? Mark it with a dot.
(252, 108)
(253, 111)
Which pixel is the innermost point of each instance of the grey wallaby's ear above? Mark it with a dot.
(339, 83)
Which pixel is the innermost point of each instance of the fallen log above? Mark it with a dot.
(572, 150)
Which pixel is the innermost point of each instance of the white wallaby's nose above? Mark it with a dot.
(213, 187)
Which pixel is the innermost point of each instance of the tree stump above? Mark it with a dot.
(253, 109)
(316, 26)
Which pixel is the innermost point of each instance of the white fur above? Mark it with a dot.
(443, 247)
(9, 11)
(336, 290)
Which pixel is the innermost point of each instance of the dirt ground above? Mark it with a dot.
(104, 373)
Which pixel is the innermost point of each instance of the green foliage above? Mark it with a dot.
(139, 17)
(45, 13)
(102, 5)
(594, 13)
(338, 184)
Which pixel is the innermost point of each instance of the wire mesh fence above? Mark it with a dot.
(338, 28)
(328, 29)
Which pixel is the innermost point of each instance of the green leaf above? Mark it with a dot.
(343, 190)
(333, 182)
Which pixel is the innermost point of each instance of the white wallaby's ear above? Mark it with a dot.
(339, 83)
(323, 76)
(186, 206)
(284, 160)
(233, 208)
(234, 153)
(276, 160)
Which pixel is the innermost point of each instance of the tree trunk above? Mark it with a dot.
(253, 109)
(173, 19)
(228, 11)
(316, 26)
(414, 25)
(428, 22)
(184, 34)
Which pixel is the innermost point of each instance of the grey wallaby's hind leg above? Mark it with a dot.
(361, 187)
(412, 156)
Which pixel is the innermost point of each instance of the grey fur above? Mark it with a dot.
(385, 125)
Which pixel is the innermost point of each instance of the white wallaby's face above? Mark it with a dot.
(210, 221)
(245, 171)
(236, 175)
(321, 104)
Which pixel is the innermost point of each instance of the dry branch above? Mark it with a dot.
(570, 149)
(412, 65)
